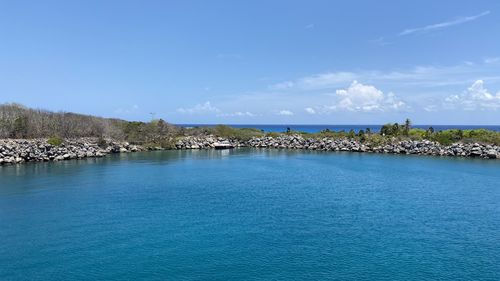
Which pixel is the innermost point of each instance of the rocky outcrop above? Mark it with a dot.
(423, 147)
(18, 151)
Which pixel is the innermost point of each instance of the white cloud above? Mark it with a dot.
(310, 110)
(475, 97)
(492, 60)
(199, 109)
(134, 108)
(381, 41)
(419, 76)
(431, 108)
(208, 108)
(282, 85)
(442, 24)
(366, 98)
(237, 114)
(285, 112)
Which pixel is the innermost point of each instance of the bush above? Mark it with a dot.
(102, 143)
(236, 133)
(55, 141)
(417, 134)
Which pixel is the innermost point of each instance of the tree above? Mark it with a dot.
(429, 132)
(361, 135)
(407, 127)
(351, 134)
(20, 127)
(386, 130)
(395, 129)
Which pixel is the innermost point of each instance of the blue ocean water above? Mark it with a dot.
(249, 214)
(337, 128)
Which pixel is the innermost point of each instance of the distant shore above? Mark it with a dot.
(16, 151)
(34, 135)
(308, 128)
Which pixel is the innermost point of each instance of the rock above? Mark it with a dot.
(492, 154)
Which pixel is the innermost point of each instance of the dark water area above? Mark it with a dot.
(250, 214)
(337, 128)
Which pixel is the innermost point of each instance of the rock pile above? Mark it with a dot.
(423, 147)
(19, 151)
(205, 142)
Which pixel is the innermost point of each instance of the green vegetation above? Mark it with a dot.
(17, 121)
(230, 132)
(56, 141)
(445, 137)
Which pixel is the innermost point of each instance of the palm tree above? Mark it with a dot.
(407, 126)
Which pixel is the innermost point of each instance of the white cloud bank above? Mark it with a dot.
(441, 25)
(366, 98)
(419, 76)
(475, 97)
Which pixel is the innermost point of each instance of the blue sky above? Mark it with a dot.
(255, 62)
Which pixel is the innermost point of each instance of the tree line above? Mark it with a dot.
(18, 121)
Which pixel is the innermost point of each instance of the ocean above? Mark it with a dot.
(337, 128)
(250, 214)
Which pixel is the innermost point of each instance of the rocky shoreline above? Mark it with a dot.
(14, 151)
(423, 147)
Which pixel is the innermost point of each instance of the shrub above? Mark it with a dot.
(102, 143)
(417, 134)
(55, 141)
(236, 133)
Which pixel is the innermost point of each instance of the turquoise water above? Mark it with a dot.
(251, 215)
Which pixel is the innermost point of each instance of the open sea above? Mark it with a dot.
(249, 214)
(337, 128)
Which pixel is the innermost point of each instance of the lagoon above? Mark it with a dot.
(251, 214)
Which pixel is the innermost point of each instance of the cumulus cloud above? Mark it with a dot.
(475, 97)
(366, 98)
(285, 112)
(199, 109)
(310, 110)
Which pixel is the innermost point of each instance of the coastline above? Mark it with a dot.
(17, 151)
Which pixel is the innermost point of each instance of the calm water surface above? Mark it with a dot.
(251, 215)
